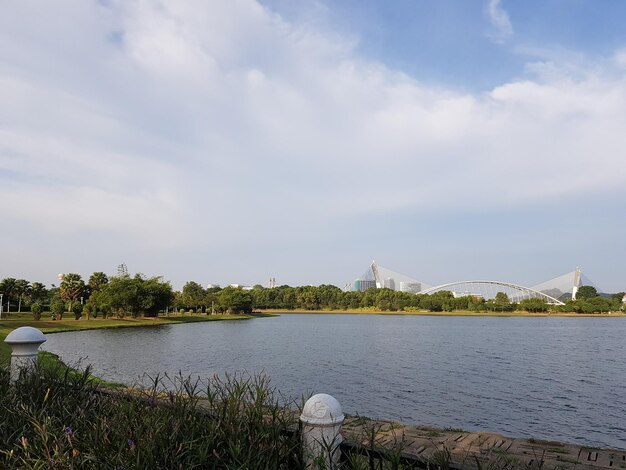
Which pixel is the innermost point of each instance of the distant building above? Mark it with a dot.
(389, 283)
(466, 294)
(212, 286)
(361, 285)
(411, 287)
(240, 286)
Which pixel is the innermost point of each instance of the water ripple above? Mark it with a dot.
(551, 378)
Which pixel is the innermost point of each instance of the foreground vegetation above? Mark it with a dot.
(59, 419)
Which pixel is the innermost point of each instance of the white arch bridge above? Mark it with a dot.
(550, 291)
(489, 289)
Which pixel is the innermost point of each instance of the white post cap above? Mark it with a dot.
(25, 335)
(322, 410)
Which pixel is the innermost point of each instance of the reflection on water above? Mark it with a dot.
(552, 378)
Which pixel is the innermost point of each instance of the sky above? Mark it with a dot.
(233, 141)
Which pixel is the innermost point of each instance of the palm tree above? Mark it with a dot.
(97, 280)
(72, 288)
(38, 292)
(7, 287)
(22, 286)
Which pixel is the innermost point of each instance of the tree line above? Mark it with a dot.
(328, 297)
(125, 295)
(119, 296)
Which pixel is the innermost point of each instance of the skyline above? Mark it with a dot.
(561, 281)
(233, 141)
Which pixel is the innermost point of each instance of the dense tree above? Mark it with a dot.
(72, 288)
(443, 300)
(431, 303)
(476, 303)
(193, 295)
(125, 295)
(368, 298)
(592, 305)
(534, 305)
(351, 300)
(601, 305)
(156, 295)
(619, 296)
(385, 299)
(235, 300)
(500, 303)
(288, 297)
(99, 304)
(307, 298)
(502, 299)
(462, 303)
(329, 296)
(586, 292)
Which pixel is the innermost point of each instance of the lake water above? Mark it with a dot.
(552, 378)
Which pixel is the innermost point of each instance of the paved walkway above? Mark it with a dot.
(463, 449)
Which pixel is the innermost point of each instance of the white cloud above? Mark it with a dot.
(219, 124)
(500, 21)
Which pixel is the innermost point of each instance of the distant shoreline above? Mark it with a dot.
(459, 313)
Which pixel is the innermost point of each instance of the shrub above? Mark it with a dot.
(57, 418)
(57, 307)
(36, 308)
(77, 310)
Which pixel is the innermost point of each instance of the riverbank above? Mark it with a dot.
(456, 313)
(58, 326)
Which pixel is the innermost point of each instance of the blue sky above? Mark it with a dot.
(452, 41)
(231, 141)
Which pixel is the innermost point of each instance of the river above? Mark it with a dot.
(558, 378)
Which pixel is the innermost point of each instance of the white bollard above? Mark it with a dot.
(321, 425)
(24, 342)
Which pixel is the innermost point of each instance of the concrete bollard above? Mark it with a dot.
(24, 342)
(321, 425)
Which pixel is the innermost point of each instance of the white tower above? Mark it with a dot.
(374, 268)
(577, 275)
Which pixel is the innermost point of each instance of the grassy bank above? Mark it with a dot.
(456, 313)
